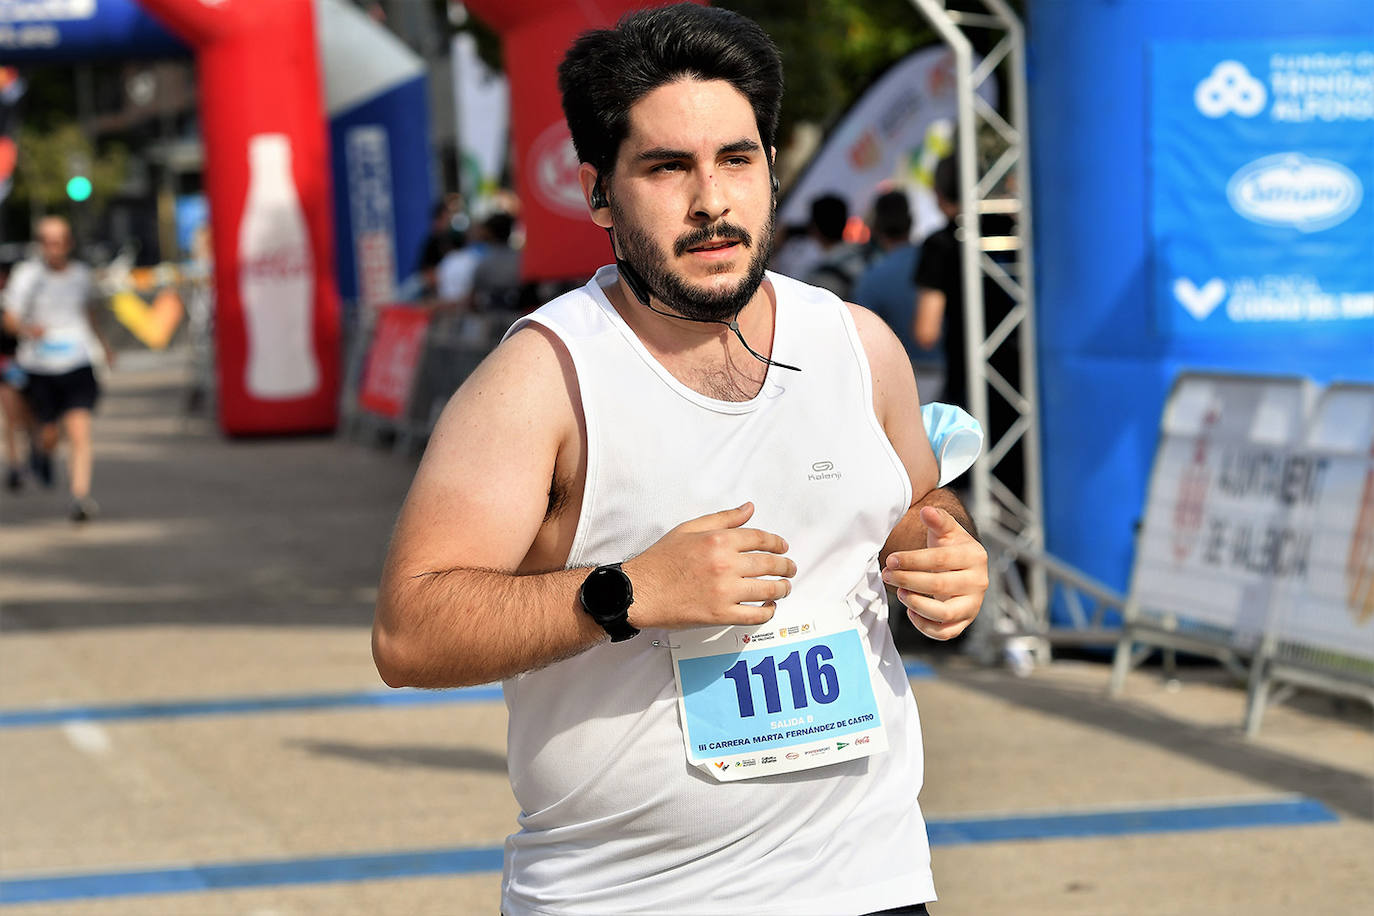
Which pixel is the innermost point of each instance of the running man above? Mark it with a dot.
(48, 304)
(663, 512)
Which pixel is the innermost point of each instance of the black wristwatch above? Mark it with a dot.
(606, 595)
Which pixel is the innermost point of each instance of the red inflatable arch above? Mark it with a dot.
(267, 179)
(561, 241)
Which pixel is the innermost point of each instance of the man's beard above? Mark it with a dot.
(686, 299)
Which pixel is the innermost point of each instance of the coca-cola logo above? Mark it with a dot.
(553, 166)
(275, 265)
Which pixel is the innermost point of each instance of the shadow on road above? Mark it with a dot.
(432, 756)
(1346, 791)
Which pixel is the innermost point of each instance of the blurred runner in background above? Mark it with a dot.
(47, 304)
(14, 413)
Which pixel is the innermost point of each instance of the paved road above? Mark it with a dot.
(190, 724)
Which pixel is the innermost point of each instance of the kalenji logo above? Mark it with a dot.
(1230, 88)
(553, 163)
(823, 470)
(1291, 189)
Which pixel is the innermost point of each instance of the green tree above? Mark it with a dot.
(833, 49)
(49, 157)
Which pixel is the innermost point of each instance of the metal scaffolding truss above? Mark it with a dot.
(999, 186)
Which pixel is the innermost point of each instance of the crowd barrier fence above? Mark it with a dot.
(404, 363)
(1257, 546)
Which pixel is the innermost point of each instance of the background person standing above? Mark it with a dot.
(48, 303)
(888, 288)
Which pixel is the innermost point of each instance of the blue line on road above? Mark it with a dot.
(239, 706)
(1284, 812)
(236, 706)
(252, 874)
(917, 670)
(1231, 816)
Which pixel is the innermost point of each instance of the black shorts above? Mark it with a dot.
(50, 396)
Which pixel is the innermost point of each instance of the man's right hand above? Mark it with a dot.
(701, 572)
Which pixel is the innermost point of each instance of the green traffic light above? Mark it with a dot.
(79, 188)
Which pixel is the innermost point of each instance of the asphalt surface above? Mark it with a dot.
(190, 723)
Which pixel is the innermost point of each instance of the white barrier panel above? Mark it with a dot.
(1332, 606)
(1218, 534)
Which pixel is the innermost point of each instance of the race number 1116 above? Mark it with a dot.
(819, 676)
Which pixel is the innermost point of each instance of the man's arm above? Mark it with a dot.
(13, 299)
(458, 603)
(931, 558)
(95, 306)
(929, 317)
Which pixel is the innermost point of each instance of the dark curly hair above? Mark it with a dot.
(607, 70)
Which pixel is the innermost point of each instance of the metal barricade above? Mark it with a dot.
(422, 380)
(1201, 582)
(1321, 629)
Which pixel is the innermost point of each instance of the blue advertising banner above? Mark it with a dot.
(1261, 198)
(48, 31)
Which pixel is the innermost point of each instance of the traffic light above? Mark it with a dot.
(79, 188)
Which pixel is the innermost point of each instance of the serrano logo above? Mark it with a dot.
(1291, 189)
(793, 755)
(1230, 88)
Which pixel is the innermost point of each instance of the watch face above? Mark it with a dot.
(606, 593)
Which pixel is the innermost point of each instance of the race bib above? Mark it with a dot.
(60, 343)
(773, 699)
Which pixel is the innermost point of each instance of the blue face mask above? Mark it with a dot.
(955, 436)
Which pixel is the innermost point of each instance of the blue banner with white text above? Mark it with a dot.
(1261, 198)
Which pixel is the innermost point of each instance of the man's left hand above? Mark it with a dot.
(942, 584)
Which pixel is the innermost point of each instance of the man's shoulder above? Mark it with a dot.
(576, 312)
(459, 256)
(26, 269)
(793, 293)
(22, 276)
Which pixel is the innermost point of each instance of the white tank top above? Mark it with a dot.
(613, 817)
